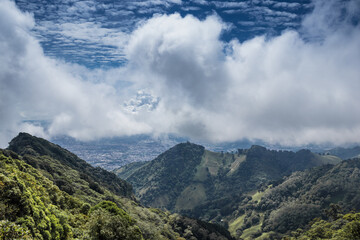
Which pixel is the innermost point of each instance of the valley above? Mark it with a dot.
(187, 192)
(254, 193)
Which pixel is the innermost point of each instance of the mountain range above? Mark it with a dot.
(49, 193)
(187, 192)
(254, 193)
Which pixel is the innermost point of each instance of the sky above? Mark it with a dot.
(284, 72)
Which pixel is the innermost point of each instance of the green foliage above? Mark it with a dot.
(60, 166)
(45, 195)
(11, 230)
(85, 208)
(323, 192)
(290, 217)
(112, 208)
(196, 229)
(27, 197)
(110, 222)
(345, 227)
(345, 153)
(173, 171)
(217, 186)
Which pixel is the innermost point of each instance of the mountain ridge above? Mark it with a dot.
(248, 166)
(42, 197)
(216, 183)
(31, 146)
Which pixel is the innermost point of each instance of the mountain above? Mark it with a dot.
(339, 226)
(299, 198)
(114, 152)
(208, 185)
(256, 193)
(47, 192)
(53, 161)
(345, 153)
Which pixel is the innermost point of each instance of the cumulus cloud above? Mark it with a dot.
(285, 89)
(296, 88)
(182, 56)
(36, 87)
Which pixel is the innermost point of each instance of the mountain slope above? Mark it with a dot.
(54, 161)
(35, 203)
(171, 172)
(298, 199)
(209, 185)
(345, 153)
(31, 200)
(342, 226)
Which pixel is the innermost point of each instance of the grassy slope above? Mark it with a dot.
(127, 170)
(298, 199)
(221, 183)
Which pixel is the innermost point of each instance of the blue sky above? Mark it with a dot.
(91, 32)
(283, 72)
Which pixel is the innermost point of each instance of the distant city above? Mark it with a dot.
(112, 153)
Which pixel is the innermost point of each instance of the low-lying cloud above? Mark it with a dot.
(296, 88)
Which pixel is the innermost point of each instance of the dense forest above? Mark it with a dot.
(254, 193)
(49, 193)
(189, 179)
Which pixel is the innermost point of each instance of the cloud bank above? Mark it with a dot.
(35, 87)
(285, 89)
(296, 88)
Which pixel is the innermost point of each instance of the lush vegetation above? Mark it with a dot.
(345, 153)
(45, 195)
(170, 173)
(215, 186)
(292, 203)
(255, 193)
(337, 226)
(63, 167)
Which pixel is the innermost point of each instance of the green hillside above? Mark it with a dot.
(345, 153)
(32, 207)
(292, 203)
(66, 170)
(339, 226)
(44, 194)
(214, 186)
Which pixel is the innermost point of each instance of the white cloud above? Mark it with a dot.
(219, 4)
(150, 3)
(287, 5)
(331, 16)
(284, 89)
(93, 33)
(181, 55)
(34, 86)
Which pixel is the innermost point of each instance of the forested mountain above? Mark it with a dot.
(345, 153)
(187, 178)
(254, 193)
(292, 203)
(65, 169)
(47, 192)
